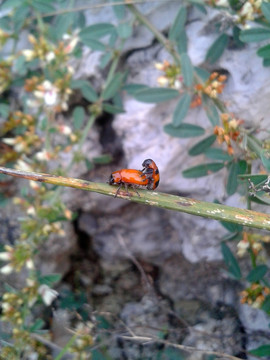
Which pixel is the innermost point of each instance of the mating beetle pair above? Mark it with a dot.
(147, 178)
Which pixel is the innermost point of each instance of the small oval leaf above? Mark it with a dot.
(178, 24)
(113, 86)
(264, 52)
(217, 48)
(202, 170)
(187, 69)
(155, 95)
(184, 130)
(255, 35)
(202, 145)
(231, 262)
(257, 273)
(181, 109)
(97, 31)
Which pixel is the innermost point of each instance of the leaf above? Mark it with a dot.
(255, 35)
(97, 31)
(187, 69)
(264, 52)
(124, 30)
(182, 42)
(266, 305)
(50, 279)
(217, 48)
(113, 86)
(78, 117)
(88, 92)
(217, 154)
(10, 4)
(202, 170)
(132, 88)
(93, 44)
(119, 10)
(62, 24)
(265, 7)
(103, 159)
(231, 262)
(181, 109)
(105, 59)
(184, 130)
(38, 324)
(263, 350)
(265, 159)
(211, 110)
(19, 17)
(178, 24)
(257, 273)
(232, 181)
(42, 6)
(202, 145)
(155, 95)
(112, 109)
(202, 74)
(4, 110)
(266, 62)
(19, 65)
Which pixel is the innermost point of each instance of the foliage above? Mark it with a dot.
(34, 133)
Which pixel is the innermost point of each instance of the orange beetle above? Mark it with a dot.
(128, 177)
(151, 171)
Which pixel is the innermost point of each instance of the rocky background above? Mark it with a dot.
(146, 270)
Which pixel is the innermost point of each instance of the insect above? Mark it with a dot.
(128, 177)
(151, 171)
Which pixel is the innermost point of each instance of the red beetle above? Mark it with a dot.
(128, 177)
(151, 171)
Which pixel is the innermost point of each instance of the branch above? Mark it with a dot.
(219, 212)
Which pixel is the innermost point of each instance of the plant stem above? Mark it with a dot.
(219, 212)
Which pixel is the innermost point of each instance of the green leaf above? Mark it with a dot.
(78, 117)
(265, 7)
(103, 159)
(202, 170)
(38, 324)
(49, 279)
(257, 273)
(119, 10)
(113, 86)
(255, 35)
(202, 145)
(232, 181)
(264, 52)
(4, 110)
(93, 44)
(124, 30)
(231, 262)
(10, 4)
(184, 130)
(88, 92)
(178, 24)
(265, 157)
(43, 6)
(181, 109)
(105, 59)
(20, 66)
(211, 110)
(20, 16)
(62, 24)
(155, 95)
(97, 31)
(217, 154)
(187, 69)
(182, 42)
(266, 62)
(263, 350)
(112, 109)
(266, 305)
(132, 88)
(202, 74)
(217, 48)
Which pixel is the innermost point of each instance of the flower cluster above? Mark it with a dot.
(18, 257)
(229, 132)
(83, 341)
(172, 77)
(212, 87)
(251, 242)
(255, 295)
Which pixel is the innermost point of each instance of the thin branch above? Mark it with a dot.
(219, 212)
(180, 347)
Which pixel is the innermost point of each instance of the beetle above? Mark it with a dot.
(128, 177)
(151, 171)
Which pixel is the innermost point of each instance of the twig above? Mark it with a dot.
(219, 212)
(180, 347)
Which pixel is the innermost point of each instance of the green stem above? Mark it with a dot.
(214, 211)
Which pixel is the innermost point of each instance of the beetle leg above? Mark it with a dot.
(134, 188)
(118, 190)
